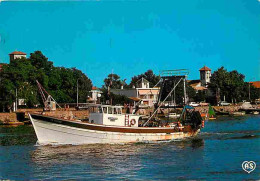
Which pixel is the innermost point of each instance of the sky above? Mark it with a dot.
(129, 37)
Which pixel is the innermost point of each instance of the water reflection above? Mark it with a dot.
(17, 135)
(103, 152)
(117, 159)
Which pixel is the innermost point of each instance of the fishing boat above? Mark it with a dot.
(109, 124)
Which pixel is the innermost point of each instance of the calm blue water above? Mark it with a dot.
(216, 154)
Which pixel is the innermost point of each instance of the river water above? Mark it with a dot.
(215, 154)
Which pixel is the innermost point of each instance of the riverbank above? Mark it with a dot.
(21, 117)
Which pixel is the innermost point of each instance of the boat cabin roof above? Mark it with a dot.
(112, 106)
(106, 109)
(100, 105)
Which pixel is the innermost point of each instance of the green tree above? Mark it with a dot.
(40, 62)
(200, 96)
(148, 75)
(254, 92)
(113, 81)
(230, 84)
(61, 83)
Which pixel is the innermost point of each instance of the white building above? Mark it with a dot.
(95, 95)
(16, 54)
(148, 96)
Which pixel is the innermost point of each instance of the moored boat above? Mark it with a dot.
(237, 113)
(173, 115)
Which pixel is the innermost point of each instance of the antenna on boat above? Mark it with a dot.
(168, 78)
(109, 88)
(47, 99)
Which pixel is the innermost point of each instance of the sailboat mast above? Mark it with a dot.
(184, 90)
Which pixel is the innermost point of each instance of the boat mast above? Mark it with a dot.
(169, 78)
(109, 88)
(77, 92)
(184, 90)
(162, 102)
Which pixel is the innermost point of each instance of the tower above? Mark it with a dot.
(16, 54)
(205, 74)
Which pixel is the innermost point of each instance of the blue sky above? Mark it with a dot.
(130, 37)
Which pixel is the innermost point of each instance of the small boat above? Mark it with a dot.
(221, 112)
(173, 115)
(255, 112)
(210, 115)
(212, 118)
(108, 124)
(12, 123)
(237, 113)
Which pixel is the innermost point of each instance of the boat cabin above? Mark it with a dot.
(112, 115)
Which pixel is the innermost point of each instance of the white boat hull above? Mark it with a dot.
(52, 133)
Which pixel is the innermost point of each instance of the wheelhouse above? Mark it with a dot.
(106, 109)
(112, 115)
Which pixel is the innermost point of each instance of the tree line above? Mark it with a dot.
(224, 85)
(20, 76)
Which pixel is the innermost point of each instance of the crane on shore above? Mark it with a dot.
(48, 101)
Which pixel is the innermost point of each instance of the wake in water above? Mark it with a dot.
(229, 135)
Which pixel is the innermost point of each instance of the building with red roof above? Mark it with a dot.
(205, 69)
(256, 84)
(16, 54)
(205, 74)
(202, 83)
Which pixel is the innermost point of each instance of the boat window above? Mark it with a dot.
(105, 110)
(99, 109)
(115, 110)
(109, 110)
(91, 110)
(119, 111)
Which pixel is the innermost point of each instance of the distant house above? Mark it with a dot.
(256, 84)
(95, 95)
(16, 54)
(142, 92)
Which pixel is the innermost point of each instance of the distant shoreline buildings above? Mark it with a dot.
(14, 55)
(202, 83)
(148, 96)
(142, 92)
